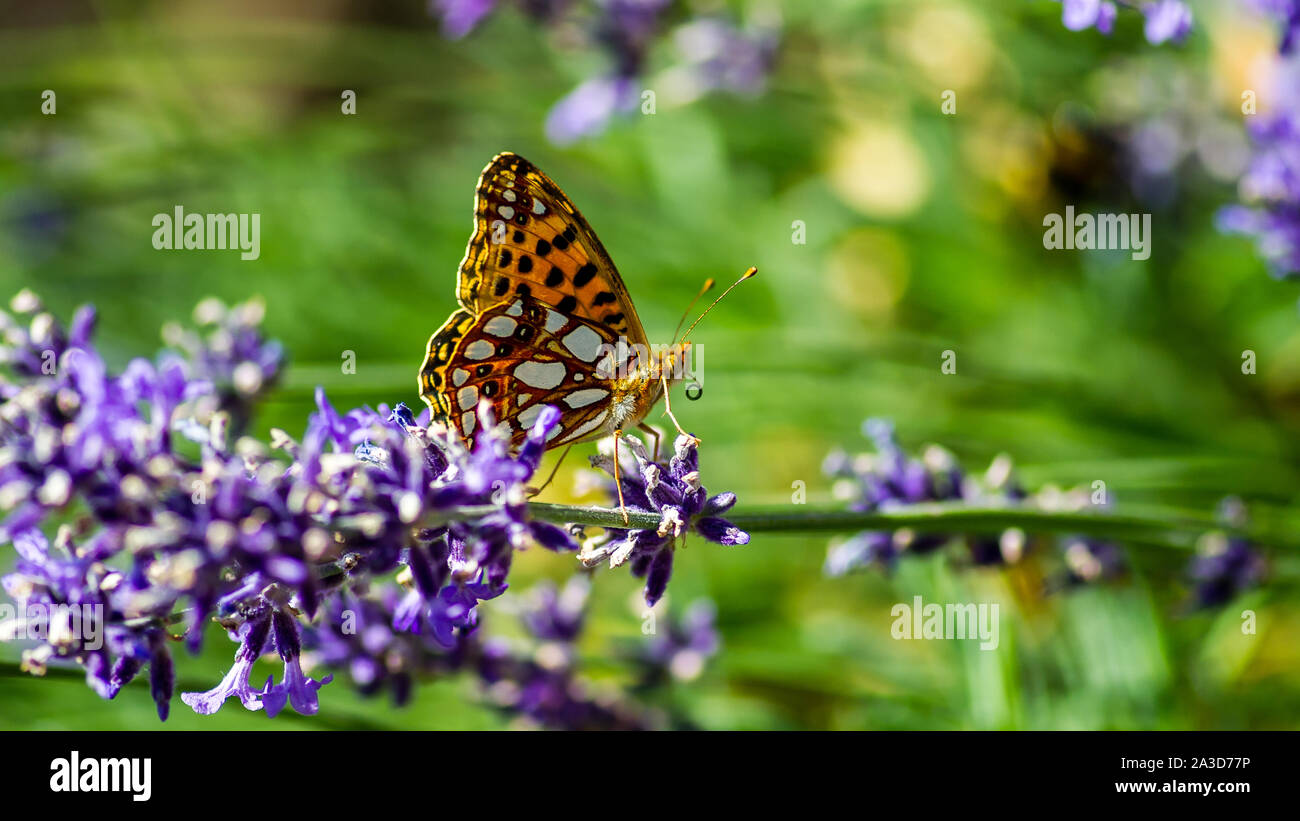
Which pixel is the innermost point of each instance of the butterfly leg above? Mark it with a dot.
(647, 429)
(618, 471)
(534, 491)
(668, 409)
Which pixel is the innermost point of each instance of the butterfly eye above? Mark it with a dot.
(694, 391)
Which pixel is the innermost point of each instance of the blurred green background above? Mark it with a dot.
(923, 234)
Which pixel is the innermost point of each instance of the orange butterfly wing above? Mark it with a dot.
(539, 298)
(530, 240)
(520, 356)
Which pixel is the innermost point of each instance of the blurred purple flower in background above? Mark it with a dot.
(681, 648)
(1225, 566)
(1270, 187)
(714, 54)
(459, 17)
(1163, 20)
(889, 479)
(1077, 15)
(538, 682)
(1166, 20)
(587, 109)
(1287, 15)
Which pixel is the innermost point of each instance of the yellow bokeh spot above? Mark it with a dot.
(966, 52)
(878, 169)
(869, 271)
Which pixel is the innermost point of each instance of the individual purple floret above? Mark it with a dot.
(672, 490)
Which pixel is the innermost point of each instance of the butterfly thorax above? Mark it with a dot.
(634, 394)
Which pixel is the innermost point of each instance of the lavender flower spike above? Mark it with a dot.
(675, 493)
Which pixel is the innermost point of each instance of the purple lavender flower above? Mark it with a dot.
(1163, 20)
(1077, 15)
(539, 682)
(885, 480)
(587, 109)
(1270, 188)
(717, 55)
(460, 17)
(1089, 561)
(267, 618)
(681, 651)
(889, 479)
(558, 614)
(252, 636)
(228, 351)
(357, 634)
(221, 534)
(1225, 566)
(1166, 20)
(675, 493)
(1287, 14)
(295, 688)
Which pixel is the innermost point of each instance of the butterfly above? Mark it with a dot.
(544, 319)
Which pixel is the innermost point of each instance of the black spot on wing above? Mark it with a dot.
(585, 274)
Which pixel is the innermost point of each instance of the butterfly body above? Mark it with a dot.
(545, 319)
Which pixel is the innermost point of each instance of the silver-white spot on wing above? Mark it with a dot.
(467, 397)
(467, 422)
(516, 308)
(583, 398)
(554, 321)
(523, 399)
(540, 374)
(500, 326)
(459, 376)
(583, 343)
(528, 417)
(506, 211)
(479, 349)
(538, 208)
(588, 427)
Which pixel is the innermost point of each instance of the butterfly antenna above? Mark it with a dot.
(743, 277)
(708, 284)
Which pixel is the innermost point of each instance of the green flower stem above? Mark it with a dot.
(1149, 525)
(1145, 526)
